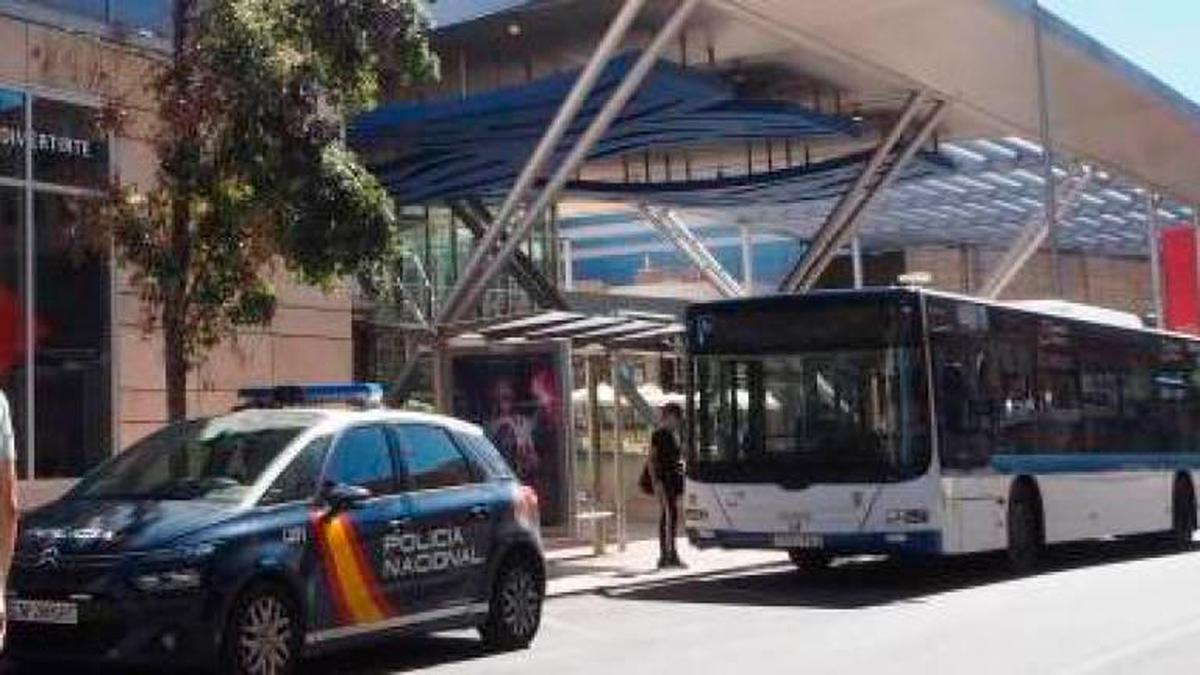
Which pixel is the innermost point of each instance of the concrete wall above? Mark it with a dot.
(1121, 283)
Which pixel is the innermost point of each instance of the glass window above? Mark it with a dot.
(1060, 417)
(362, 458)
(12, 134)
(145, 14)
(73, 353)
(218, 459)
(835, 415)
(431, 458)
(68, 148)
(93, 9)
(299, 480)
(12, 314)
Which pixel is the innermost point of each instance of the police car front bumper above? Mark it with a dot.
(111, 621)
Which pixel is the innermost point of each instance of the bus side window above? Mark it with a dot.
(963, 405)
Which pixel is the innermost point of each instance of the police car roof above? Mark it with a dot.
(347, 416)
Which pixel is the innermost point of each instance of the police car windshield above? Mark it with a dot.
(219, 459)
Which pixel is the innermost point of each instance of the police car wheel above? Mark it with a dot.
(263, 635)
(515, 611)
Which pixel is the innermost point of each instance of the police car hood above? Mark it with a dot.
(109, 526)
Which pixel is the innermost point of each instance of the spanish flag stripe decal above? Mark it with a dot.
(364, 564)
(353, 579)
(325, 559)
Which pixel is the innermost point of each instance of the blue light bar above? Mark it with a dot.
(365, 394)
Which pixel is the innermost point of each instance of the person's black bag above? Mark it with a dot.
(645, 481)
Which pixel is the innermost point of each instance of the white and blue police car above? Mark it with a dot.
(245, 541)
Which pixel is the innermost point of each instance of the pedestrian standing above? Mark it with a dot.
(666, 471)
(8, 507)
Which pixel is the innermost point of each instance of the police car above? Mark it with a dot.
(248, 540)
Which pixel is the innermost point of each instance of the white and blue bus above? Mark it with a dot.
(907, 421)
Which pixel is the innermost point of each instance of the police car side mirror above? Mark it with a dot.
(342, 497)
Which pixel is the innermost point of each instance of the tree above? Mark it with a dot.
(253, 169)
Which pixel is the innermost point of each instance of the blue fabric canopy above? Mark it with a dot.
(476, 146)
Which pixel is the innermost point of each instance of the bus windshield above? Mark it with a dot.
(804, 416)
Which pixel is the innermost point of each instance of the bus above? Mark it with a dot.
(906, 421)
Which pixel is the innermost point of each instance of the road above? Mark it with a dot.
(1097, 609)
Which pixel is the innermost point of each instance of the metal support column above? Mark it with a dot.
(475, 284)
(747, 261)
(568, 265)
(884, 167)
(542, 153)
(626, 386)
(618, 455)
(667, 224)
(474, 215)
(1050, 210)
(856, 261)
(1156, 279)
(1033, 235)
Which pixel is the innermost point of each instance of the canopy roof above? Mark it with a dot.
(978, 54)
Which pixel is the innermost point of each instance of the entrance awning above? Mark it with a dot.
(631, 330)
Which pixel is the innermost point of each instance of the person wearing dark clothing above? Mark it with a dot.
(666, 472)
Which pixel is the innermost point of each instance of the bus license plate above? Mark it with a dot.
(44, 611)
(796, 540)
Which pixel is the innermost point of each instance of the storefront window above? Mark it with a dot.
(12, 134)
(12, 312)
(72, 387)
(70, 318)
(67, 148)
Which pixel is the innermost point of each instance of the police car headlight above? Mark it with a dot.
(171, 580)
(177, 569)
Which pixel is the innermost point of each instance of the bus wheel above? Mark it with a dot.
(808, 560)
(1183, 513)
(1024, 529)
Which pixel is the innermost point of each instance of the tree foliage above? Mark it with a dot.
(253, 168)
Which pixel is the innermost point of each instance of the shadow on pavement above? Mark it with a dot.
(401, 655)
(853, 584)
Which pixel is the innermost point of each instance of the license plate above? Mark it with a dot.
(44, 611)
(796, 540)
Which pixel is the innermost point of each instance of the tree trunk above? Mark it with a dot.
(175, 290)
(175, 359)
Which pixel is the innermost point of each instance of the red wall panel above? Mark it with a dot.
(1180, 279)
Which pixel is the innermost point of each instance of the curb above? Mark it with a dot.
(609, 590)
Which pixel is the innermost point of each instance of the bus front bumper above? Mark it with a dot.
(917, 543)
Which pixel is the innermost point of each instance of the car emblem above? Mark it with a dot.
(49, 557)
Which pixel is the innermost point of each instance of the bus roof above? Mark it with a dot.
(1058, 309)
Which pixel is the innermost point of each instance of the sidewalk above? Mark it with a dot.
(576, 570)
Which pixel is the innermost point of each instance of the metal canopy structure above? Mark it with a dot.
(993, 187)
(631, 331)
(789, 119)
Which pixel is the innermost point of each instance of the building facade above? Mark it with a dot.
(84, 376)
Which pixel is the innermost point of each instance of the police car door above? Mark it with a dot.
(350, 541)
(442, 558)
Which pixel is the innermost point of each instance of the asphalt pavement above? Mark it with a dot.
(1098, 609)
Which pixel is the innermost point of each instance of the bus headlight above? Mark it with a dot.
(907, 516)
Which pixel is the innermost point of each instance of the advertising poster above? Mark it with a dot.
(519, 401)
